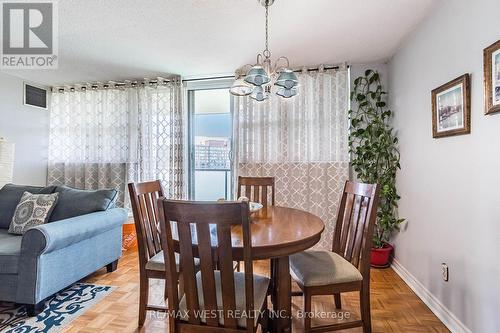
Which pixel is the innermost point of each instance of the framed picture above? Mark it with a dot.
(451, 108)
(491, 62)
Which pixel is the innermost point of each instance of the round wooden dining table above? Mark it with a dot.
(278, 232)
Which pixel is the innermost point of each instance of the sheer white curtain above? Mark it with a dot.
(161, 151)
(104, 138)
(301, 141)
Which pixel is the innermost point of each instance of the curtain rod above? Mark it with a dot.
(160, 80)
(113, 84)
(313, 69)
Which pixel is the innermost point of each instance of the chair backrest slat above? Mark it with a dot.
(153, 221)
(256, 194)
(210, 239)
(265, 200)
(248, 192)
(207, 267)
(346, 218)
(356, 218)
(226, 273)
(188, 272)
(146, 227)
(170, 262)
(359, 232)
(260, 186)
(143, 198)
(353, 227)
(154, 200)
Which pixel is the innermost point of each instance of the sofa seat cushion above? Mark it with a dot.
(320, 268)
(11, 194)
(10, 251)
(73, 202)
(260, 288)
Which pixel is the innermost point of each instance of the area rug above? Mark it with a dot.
(60, 310)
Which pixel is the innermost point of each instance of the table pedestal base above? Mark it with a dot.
(281, 296)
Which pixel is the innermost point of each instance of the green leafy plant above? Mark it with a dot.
(373, 148)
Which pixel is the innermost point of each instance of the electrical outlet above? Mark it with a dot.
(445, 271)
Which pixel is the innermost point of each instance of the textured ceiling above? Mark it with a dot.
(119, 39)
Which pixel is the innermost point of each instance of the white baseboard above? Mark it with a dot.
(441, 311)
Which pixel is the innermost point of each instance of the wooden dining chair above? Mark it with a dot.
(212, 297)
(143, 198)
(144, 201)
(347, 267)
(256, 189)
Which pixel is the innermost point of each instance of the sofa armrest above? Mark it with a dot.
(60, 234)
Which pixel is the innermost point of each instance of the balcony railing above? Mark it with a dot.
(212, 183)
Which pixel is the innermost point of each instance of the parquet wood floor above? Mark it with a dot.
(395, 308)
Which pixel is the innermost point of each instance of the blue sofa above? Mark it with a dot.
(83, 235)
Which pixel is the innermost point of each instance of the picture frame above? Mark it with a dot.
(491, 63)
(451, 108)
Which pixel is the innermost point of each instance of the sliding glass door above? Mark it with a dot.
(210, 144)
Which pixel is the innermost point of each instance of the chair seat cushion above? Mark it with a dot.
(10, 251)
(260, 288)
(157, 263)
(320, 268)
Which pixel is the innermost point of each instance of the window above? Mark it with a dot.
(210, 144)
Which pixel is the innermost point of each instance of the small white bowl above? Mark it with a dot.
(255, 206)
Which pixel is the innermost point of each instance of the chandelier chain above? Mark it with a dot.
(266, 51)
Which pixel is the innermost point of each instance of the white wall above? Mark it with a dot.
(450, 186)
(28, 128)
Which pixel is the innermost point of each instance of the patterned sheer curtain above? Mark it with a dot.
(302, 142)
(161, 151)
(106, 137)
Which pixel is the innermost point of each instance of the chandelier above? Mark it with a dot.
(266, 77)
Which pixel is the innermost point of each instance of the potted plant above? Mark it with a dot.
(375, 157)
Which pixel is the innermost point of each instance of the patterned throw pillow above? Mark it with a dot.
(32, 210)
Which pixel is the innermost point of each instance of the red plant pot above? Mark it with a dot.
(380, 256)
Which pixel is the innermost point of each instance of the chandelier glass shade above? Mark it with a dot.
(257, 76)
(286, 93)
(240, 87)
(265, 77)
(259, 93)
(287, 79)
